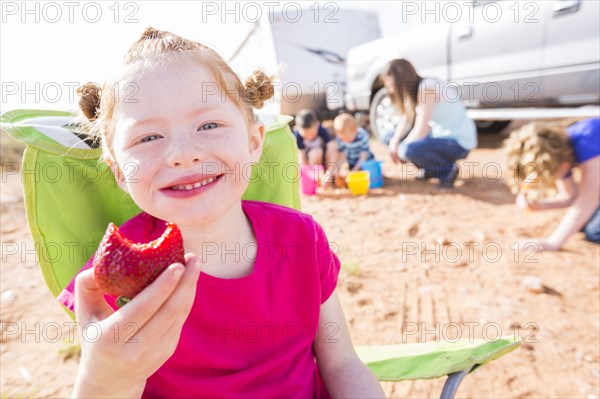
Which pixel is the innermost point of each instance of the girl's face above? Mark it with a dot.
(183, 148)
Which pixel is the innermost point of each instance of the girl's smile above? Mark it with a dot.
(190, 186)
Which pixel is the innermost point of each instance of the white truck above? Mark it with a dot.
(312, 43)
(507, 60)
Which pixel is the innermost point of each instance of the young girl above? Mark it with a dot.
(258, 316)
(542, 155)
(441, 132)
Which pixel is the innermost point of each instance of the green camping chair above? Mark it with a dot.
(70, 197)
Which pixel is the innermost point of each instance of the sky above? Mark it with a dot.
(48, 48)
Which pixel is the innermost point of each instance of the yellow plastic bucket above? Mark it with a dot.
(358, 182)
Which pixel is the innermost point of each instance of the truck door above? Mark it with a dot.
(572, 53)
(496, 53)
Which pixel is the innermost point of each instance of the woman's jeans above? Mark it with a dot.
(592, 228)
(436, 156)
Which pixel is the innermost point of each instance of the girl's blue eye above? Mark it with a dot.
(148, 138)
(209, 126)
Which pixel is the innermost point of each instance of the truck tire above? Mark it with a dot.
(490, 127)
(383, 116)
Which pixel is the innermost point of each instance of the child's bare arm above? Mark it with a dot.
(567, 192)
(343, 373)
(332, 159)
(584, 205)
(363, 156)
(117, 362)
(303, 158)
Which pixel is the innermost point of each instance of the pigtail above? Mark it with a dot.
(258, 88)
(89, 100)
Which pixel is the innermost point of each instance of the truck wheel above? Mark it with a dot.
(383, 116)
(491, 126)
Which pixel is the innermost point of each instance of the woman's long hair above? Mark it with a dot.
(406, 86)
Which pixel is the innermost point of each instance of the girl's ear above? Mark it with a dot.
(117, 173)
(256, 138)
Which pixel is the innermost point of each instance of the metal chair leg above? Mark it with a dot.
(452, 383)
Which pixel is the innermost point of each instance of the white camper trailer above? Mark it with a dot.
(312, 44)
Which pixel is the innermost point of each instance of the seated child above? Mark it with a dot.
(250, 325)
(352, 140)
(316, 144)
(545, 153)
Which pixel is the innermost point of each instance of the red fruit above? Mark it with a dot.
(123, 268)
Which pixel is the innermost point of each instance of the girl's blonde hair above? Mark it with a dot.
(406, 86)
(152, 48)
(535, 152)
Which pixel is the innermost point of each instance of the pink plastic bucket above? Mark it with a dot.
(309, 178)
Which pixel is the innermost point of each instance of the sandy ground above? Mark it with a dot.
(414, 258)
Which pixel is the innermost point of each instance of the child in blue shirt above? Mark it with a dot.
(316, 145)
(543, 154)
(352, 141)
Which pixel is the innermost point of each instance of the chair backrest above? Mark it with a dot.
(71, 195)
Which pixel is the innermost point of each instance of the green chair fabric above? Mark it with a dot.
(432, 360)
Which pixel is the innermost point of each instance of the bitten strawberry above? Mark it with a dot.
(123, 268)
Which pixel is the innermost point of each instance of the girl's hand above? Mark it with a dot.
(121, 349)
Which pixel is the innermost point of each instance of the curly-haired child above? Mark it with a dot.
(542, 156)
(250, 327)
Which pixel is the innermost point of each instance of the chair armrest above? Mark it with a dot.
(431, 360)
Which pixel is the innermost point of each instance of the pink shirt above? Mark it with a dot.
(250, 337)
